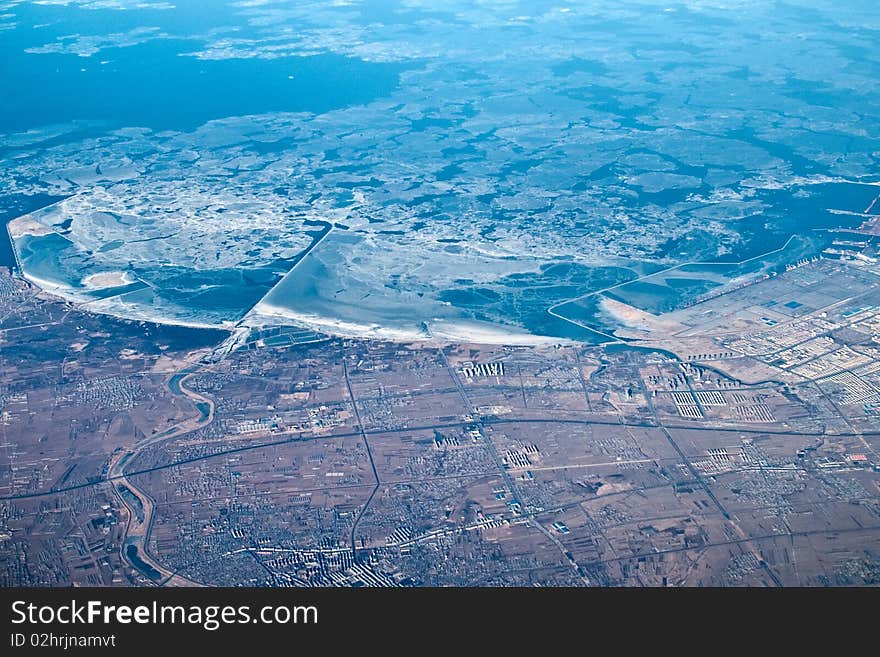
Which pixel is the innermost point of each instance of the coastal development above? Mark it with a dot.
(734, 442)
(404, 293)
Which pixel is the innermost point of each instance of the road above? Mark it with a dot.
(363, 435)
(493, 421)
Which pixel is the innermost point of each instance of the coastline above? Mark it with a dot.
(437, 331)
(89, 306)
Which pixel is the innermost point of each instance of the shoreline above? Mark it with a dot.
(88, 306)
(261, 315)
(437, 330)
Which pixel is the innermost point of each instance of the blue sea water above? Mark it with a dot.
(155, 84)
(11, 207)
(50, 258)
(149, 85)
(158, 84)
